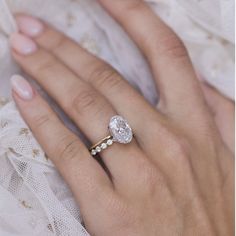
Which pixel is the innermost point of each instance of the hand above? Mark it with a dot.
(175, 178)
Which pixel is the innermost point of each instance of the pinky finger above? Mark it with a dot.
(83, 174)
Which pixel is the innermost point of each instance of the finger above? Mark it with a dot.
(84, 175)
(89, 109)
(224, 114)
(165, 52)
(100, 75)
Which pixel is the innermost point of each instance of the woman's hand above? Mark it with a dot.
(176, 178)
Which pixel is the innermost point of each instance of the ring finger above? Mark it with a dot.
(86, 178)
(89, 109)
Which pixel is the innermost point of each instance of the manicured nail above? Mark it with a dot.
(22, 87)
(22, 44)
(29, 25)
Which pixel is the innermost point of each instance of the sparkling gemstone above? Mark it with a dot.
(98, 149)
(93, 152)
(120, 130)
(103, 146)
(109, 142)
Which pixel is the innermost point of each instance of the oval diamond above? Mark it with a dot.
(120, 130)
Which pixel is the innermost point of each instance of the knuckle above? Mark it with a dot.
(41, 120)
(84, 101)
(179, 147)
(172, 46)
(59, 42)
(105, 77)
(134, 5)
(68, 148)
(45, 66)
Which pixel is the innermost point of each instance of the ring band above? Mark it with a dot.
(102, 145)
(120, 132)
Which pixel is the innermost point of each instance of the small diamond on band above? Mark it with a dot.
(103, 146)
(93, 152)
(98, 149)
(109, 142)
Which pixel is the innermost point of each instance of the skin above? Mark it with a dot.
(177, 176)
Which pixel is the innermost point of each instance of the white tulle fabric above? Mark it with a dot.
(34, 200)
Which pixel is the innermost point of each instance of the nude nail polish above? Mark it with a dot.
(22, 87)
(22, 44)
(29, 25)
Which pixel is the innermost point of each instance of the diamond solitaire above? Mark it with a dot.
(120, 132)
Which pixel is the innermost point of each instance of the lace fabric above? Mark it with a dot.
(34, 199)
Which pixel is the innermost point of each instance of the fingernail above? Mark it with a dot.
(22, 87)
(29, 25)
(22, 44)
